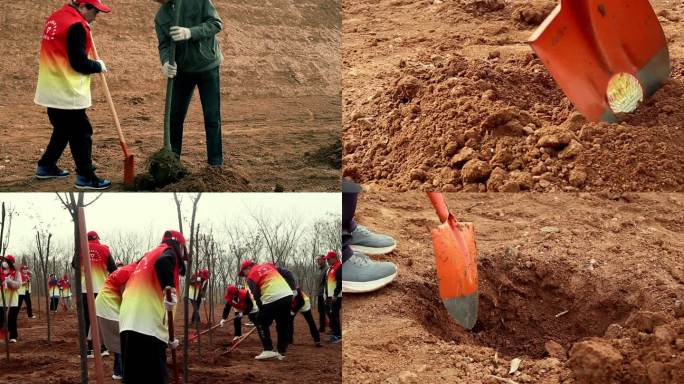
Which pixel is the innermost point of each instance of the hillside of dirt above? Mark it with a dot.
(582, 288)
(280, 94)
(446, 95)
(34, 361)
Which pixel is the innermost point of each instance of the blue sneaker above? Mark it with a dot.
(361, 274)
(45, 172)
(94, 182)
(334, 339)
(363, 240)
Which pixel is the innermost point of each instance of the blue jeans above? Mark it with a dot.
(208, 83)
(118, 369)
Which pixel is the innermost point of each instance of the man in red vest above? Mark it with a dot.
(272, 288)
(64, 89)
(240, 300)
(333, 295)
(142, 316)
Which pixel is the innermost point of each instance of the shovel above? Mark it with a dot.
(194, 337)
(129, 164)
(606, 55)
(238, 341)
(455, 254)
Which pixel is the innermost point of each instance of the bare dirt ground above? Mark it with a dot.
(280, 90)
(33, 361)
(446, 95)
(583, 288)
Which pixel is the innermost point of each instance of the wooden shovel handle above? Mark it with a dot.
(167, 292)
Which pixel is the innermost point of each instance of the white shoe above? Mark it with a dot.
(32, 317)
(267, 355)
(105, 353)
(13, 340)
(249, 324)
(117, 377)
(90, 355)
(280, 357)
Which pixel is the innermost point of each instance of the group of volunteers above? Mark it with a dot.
(67, 61)
(59, 290)
(15, 290)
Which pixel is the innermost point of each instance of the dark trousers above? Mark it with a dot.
(349, 199)
(322, 313)
(12, 315)
(70, 127)
(26, 298)
(208, 83)
(335, 313)
(237, 324)
(118, 367)
(143, 358)
(54, 303)
(279, 311)
(195, 311)
(312, 327)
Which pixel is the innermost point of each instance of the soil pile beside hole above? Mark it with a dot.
(330, 154)
(164, 168)
(518, 308)
(211, 179)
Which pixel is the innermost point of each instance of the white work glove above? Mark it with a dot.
(199, 279)
(102, 65)
(223, 321)
(174, 344)
(168, 305)
(292, 313)
(169, 70)
(238, 315)
(180, 33)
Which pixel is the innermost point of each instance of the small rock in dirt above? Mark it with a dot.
(668, 16)
(506, 122)
(407, 88)
(496, 180)
(532, 14)
(556, 350)
(471, 187)
(665, 334)
(418, 174)
(451, 148)
(462, 157)
(574, 122)
(510, 187)
(679, 343)
(549, 229)
(554, 137)
(522, 178)
(408, 377)
(645, 321)
(502, 155)
(577, 178)
(594, 362)
(494, 55)
(572, 150)
(475, 170)
(679, 309)
(614, 331)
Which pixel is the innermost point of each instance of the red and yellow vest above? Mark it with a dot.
(332, 279)
(108, 301)
(25, 284)
(240, 303)
(271, 283)
(53, 288)
(99, 255)
(11, 294)
(59, 85)
(142, 304)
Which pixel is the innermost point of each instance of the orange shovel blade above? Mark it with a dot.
(457, 270)
(606, 55)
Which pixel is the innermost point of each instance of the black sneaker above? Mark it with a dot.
(45, 172)
(93, 182)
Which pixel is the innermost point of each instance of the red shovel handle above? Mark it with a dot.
(440, 206)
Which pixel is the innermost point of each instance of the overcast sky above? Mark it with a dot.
(115, 212)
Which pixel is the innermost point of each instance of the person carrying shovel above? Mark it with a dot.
(241, 301)
(198, 58)
(64, 89)
(143, 320)
(25, 291)
(10, 282)
(333, 295)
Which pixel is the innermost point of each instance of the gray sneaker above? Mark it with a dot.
(363, 240)
(361, 274)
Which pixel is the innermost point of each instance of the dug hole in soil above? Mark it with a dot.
(34, 361)
(280, 97)
(446, 95)
(580, 288)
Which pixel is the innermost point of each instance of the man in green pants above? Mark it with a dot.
(198, 58)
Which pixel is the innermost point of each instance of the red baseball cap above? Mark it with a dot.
(331, 255)
(97, 4)
(92, 235)
(10, 258)
(245, 264)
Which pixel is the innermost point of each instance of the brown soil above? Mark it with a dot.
(582, 287)
(33, 361)
(446, 95)
(280, 91)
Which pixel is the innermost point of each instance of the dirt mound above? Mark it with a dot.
(584, 292)
(462, 87)
(211, 179)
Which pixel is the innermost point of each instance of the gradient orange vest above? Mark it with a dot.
(59, 85)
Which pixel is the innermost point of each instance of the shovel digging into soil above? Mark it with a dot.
(455, 259)
(606, 55)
